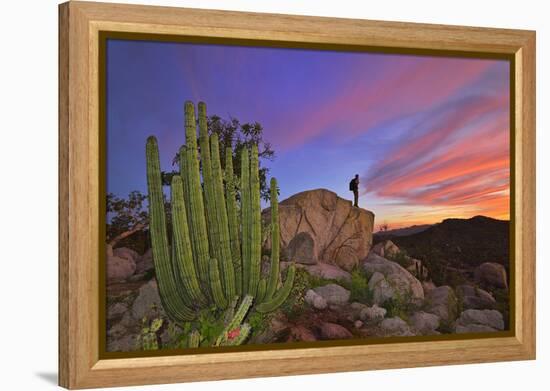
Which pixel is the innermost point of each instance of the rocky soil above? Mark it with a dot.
(343, 288)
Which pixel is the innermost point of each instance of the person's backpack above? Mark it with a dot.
(352, 184)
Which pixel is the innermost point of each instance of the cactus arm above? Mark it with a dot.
(262, 288)
(216, 284)
(281, 295)
(244, 332)
(197, 222)
(245, 220)
(194, 339)
(237, 319)
(224, 242)
(256, 227)
(275, 243)
(208, 184)
(231, 205)
(172, 302)
(182, 245)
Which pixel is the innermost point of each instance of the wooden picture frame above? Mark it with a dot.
(80, 166)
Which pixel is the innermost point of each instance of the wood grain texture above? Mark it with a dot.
(79, 246)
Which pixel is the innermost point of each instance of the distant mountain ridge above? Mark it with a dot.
(461, 242)
(402, 231)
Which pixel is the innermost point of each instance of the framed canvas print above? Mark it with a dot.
(248, 195)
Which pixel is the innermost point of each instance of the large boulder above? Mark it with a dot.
(492, 275)
(327, 271)
(475, 298)
(398, 278)
(119, 269)
(424, 323)
(442, 302)
(333, 294)
(395, 326)
(380, 288)
(479, 321)
(341, 234)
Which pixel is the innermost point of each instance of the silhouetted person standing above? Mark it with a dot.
(354, 186)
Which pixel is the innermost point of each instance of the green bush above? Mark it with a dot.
(359, 287)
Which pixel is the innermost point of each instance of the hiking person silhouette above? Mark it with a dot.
(354, 186)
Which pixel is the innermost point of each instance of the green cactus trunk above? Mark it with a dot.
(182, 245)
(275, 243)
(233, 222)
(255, 225)
(196, 217)
(172, 302)
(245, 219)
(281, 295)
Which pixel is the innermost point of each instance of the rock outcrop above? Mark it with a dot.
(492, 274)
(318, 226)
(479, 321)
(396, 279)
(442, 302)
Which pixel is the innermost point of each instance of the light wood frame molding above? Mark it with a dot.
(80, 365)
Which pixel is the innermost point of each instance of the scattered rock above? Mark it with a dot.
(397, 277)
(358, 324)
(147, 301)
(334, 331)
(395, 326)
(385, 249)
(145, 262)
(328, 271)
(117, 331)
(373, 314)
(442, 302)
(300, 333)
(127, 343)
(341, 234)
(475, 298)
(315, 300)
(424, 323)
(489, 320)
(116, 310)
(333, 294)
(492, 274)
(127, 253)
(119, 269)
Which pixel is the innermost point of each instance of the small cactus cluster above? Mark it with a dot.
(215, 256)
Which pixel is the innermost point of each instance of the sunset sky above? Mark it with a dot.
(429, 136)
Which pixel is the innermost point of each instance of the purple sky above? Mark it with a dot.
(427, 135)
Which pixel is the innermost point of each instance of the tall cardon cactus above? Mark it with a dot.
(215, 254)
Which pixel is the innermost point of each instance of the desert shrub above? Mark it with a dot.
(400, 305)
(359, 287)
(401, 258)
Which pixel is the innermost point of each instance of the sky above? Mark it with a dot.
(428, 136)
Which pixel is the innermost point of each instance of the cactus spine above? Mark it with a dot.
(213, 259)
